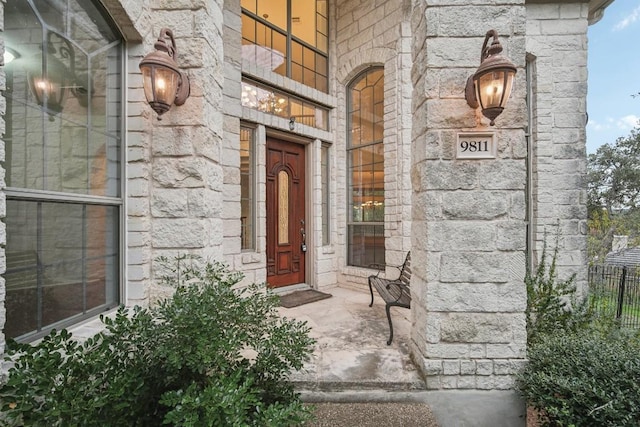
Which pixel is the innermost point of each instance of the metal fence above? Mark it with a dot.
(615, 292)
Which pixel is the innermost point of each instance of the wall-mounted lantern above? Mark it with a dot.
(292, 123)
(164, 82)
(51, 72)
(490, 87)
(9, 55)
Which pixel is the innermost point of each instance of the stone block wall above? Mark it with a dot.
(174, 171)
(557, 48)
(469, 230)
(376, 34)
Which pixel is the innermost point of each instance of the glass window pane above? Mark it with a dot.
(61, 259)
(24, 157)
(63, 255)
(303, 20)
(296, 52)
(321, 65)
(366, 170)
(278, 54)
(323, 43)
(378, 123)
(325, 183)
(21, 277)
(309, 77)
(309, 59)
(248, 32)
(321, 7)
(274, 11)
(283, 207)
(366, 245)
(66, 159)
(106, 98)
(322, 119)
(296, 73)
(280, 104)
(250, 5)
(103, 154)
(246, 189)
(322, 24)
(296, 108)
(272, 35)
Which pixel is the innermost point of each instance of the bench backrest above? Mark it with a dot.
(405, 271)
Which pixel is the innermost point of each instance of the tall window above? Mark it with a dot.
(325, 173)
(63, 164)
(247, 216)
(366, 169)
(288, 37)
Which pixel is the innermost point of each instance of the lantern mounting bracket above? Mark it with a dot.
(491, 63)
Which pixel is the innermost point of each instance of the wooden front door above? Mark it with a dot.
(286, 223)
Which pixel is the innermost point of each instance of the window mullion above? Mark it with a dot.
(289, 38)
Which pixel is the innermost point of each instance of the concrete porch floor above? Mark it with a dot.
(351, 352)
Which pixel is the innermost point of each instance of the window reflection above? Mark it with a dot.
(62, 162)
(294, 45)
(366, 169)
(280, 104)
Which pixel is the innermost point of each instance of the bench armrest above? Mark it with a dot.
(382, 267)
(404, 289)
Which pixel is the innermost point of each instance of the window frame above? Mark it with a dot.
(350, 148)
(290, 40)
(20, 194)
(252, 188)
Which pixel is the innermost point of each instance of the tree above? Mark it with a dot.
(614, 175)
(614, 194)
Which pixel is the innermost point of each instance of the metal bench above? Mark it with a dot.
(394, 292)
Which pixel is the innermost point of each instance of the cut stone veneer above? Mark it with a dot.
(174, 171)
(557, 45)
(376, 34)
(469, 233)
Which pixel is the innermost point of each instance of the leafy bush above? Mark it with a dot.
(582, 370)
(585, 378)
(552, 305)
(210, 355)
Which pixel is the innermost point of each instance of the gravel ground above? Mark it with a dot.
(373, 415)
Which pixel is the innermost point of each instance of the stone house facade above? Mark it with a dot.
(332, 125)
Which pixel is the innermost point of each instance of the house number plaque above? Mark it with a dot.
(476, 145)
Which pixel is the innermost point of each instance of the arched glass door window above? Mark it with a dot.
(365, 165)
(63, 164)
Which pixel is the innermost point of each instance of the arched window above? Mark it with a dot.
(63, 144)
(365, 158)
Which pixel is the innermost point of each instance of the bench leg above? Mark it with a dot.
(371, 290)
(388, 307)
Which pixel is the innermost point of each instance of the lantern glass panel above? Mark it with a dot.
(165, 85)
(147, 78)
(494, 87)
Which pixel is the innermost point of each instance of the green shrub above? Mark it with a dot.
(210, 355)
(552, 304)
(582, 370)
(585, 378)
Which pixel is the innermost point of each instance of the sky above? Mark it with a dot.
(614, 74)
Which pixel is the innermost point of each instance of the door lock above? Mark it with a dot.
(303, 246)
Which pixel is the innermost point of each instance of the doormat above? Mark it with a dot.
(306, 296)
